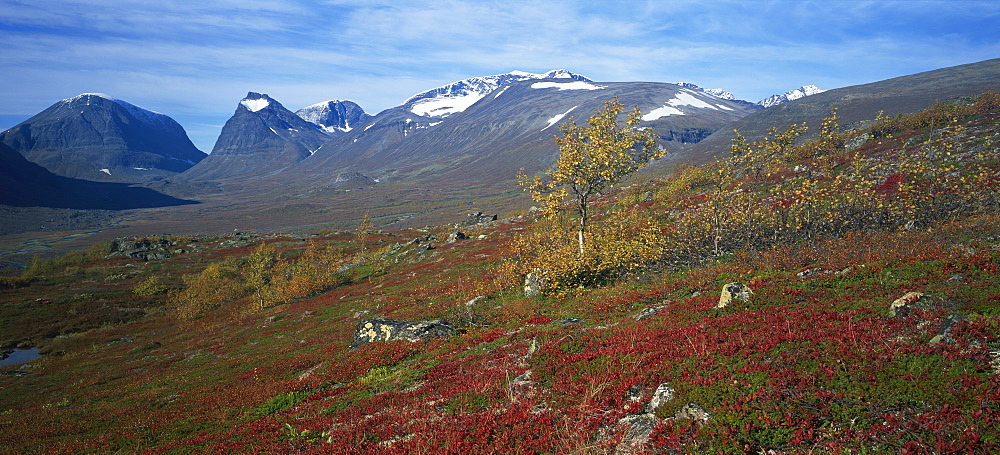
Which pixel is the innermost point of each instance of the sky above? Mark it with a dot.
(195, 60)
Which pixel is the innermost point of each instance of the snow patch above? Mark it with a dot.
(557, 118)
(141, 168)
(575, 85)
(683, 98)
(443, 107)
(106, 171)
(660, 112)
(255, 105)
(501, 92)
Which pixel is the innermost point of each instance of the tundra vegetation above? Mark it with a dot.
(240, 345)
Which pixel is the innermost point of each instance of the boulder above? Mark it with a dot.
(649, 312)
(379, 329)
(661, 395)
(533, 283)
(456, 236)
(733, 291)
(944, 332)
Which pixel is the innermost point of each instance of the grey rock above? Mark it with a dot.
(944, 332)
(476, 219)
(533, 283)
(639, 428)
(379, 329)
(661, 395)
(567, 321)
(648, 312)
(456, 236)
(858, 141)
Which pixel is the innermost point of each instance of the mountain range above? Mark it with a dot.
(464, 140)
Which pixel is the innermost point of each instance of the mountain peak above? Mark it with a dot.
(256, 101)
(334, 115)
(791, 95)
(458, 96)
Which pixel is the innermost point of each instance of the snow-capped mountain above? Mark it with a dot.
(260, 138)
(791, 95)
(97, 137)
(458, 96)
(335, 115)
(508, 129)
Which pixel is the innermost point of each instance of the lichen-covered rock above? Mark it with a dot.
(692, 411)
(380, 329)
(733, 291)
(911, 301)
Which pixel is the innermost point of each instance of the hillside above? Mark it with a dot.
(859, 103)
(243, 343)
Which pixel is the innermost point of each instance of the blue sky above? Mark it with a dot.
(194, 60)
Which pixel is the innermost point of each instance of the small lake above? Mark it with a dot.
(20, 356)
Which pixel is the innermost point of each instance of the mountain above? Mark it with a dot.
(862, 103)
(335, 116)
(791, 95)
(261, 138)
(96, 137)
(26, 184)
(458, 96)
(510, 128)
(719, 93)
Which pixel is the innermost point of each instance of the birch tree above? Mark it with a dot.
(592, 159)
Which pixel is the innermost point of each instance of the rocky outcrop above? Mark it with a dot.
(379, 329)
(146, 249)
(476, 219)
(638, 427)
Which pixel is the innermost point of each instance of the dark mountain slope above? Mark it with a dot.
(26, 184)
(95, 137)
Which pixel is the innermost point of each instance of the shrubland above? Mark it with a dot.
(242, 347)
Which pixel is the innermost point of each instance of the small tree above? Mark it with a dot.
(592, 159)
(364, 227)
